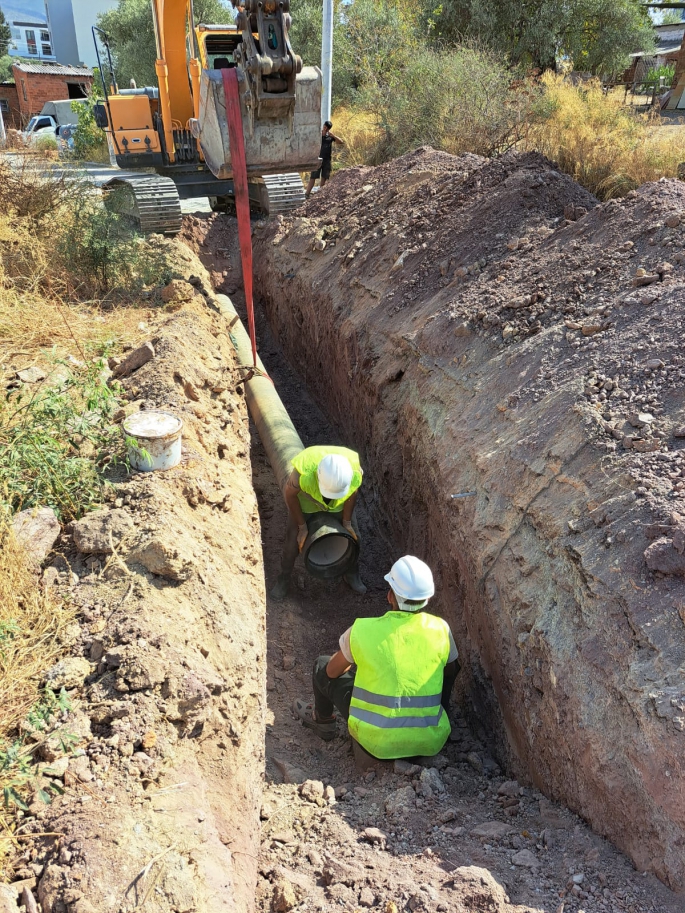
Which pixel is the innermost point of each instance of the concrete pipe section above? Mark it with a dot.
(329, 550)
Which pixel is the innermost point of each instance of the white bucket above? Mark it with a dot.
(156, 440)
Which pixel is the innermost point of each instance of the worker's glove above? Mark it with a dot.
(348, 526)
(302, 533)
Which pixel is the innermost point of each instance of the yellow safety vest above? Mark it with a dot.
(307, 462)
(395, 710)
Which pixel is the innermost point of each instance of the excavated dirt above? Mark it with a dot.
(462, 837)
(485, 326)
(162, 756)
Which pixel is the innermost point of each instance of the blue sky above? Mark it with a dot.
(28, 10)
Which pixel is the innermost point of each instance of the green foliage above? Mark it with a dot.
(6, 71)
(656, 74)
(458, 100)
(5, 35)
(593, 35)
(671, 17)
(89, 139)
(130, 30)
(100, 247)
(56, 442)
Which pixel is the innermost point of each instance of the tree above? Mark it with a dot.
(5, 35)
(6, 73)
(132, 38)
(595, 35)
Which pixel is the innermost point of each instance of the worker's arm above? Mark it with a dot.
(449, 676)
(336, 139)
(348, 507)
(337, 665)
(292, 489)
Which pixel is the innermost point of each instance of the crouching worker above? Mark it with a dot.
(397, 701)
(324, 479)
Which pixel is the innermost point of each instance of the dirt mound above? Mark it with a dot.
(487, 326)
(161, 756)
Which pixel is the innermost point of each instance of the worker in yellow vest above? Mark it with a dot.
(396, 702)
(324, 478)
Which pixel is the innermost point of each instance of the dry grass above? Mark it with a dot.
(599, 141)
(361, 134)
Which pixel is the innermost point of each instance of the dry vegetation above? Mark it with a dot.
(70, 278)
(605, 145)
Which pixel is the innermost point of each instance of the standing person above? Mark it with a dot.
(324, 171)
(396, 702)
(324, 478)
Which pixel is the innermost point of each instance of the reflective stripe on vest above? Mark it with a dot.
(395, 710)
(307, 462)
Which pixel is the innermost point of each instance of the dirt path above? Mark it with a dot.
(459, 836)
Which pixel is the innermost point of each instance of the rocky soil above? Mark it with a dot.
(486, 326)
(161, 756)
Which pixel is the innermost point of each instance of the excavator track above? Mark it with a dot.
(151, 201)
(283, 192)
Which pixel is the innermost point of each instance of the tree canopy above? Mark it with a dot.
(5, 35)
(132, 38)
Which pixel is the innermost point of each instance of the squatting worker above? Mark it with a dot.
(324, 478)
(396, 703)
(324, 170)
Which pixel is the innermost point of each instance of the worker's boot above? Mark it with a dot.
(280, 589)
(354, 582)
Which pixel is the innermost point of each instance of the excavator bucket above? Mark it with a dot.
(273, 144)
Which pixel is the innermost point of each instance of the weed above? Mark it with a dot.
(56, 442)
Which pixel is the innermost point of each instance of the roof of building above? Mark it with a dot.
(53, 69)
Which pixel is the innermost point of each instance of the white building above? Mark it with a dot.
(31, 38)
(70, 23)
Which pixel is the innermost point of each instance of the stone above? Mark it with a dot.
(178, 292)
(511, 788)
(68, 673)
(366, 897)
(100, 532)
(135, 360)
(401, 801)
(337, 872)
(140, 672)
(164, 557)
(679, 432)
(525, 859)
(375, 836)
(591, 329)
(31, 375)
(8, 899)
(474, 760)
(492, 830)
(289, 772)
(56, 769)
(311, 790)
(329, 795)
(663, 556)
(283, 897)
(37, 530)
(430, 783)
(640, 419)
(449, 814)
(405, 768)
(672, 220)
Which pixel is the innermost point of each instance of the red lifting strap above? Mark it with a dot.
(242, 199)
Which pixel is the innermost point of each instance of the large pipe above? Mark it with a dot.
(329, 551)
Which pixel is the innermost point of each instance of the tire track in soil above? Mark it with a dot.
(314, 854)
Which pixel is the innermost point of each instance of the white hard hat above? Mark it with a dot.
(334, 473)
(411, 578)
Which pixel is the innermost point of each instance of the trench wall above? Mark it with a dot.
(569, 643)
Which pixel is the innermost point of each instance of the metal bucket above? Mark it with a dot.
(329, 551)
(155, 440)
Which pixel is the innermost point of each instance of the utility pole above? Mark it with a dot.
(3, 135)
(327, 59)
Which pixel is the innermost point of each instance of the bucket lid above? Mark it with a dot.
(152, 424)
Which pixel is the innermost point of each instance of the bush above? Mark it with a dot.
(605, 146)
(90, 141)
(460, 100)
(656, 74)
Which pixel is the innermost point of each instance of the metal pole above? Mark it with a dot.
(327, 59)
(3, 135)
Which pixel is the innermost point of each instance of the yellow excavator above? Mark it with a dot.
(180, 127)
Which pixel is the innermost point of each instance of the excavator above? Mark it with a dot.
(173, 141)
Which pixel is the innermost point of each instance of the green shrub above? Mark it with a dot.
(654, 76)
(90, 141)
(56, 442)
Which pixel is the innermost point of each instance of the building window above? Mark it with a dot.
(31, 45)
(4, 106)
(45, 45)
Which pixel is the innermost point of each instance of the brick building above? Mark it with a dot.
(37, 83)
(9, 105)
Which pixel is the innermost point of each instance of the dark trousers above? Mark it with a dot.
(330, 693)
(291, 551)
